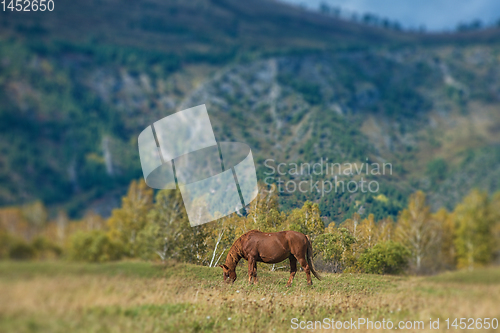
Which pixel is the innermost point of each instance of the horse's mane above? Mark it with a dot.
(235, 251)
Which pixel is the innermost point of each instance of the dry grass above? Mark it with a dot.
(138, 297)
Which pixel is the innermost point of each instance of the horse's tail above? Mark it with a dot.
(309, 256)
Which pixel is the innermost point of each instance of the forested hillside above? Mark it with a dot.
(78, 85)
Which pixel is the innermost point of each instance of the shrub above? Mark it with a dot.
(14, 248)
(45, 248)
(6, 241)
(94, 246)
(384, 258)
(20, 250)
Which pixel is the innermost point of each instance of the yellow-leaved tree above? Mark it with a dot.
(386, 229)
(367, 233)
(352, 224)
(474, 239)
(445, 258)
(307, 220)
(419, 233)
(264, 213)
(128, 220)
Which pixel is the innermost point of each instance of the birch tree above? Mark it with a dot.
(264, 213)
(168, 234)
(418, 232)
(367, 233)
(307, 220)
(352, 224)
(386, 229)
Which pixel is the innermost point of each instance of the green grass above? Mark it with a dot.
(25, 270)
(143, 297)
(477, 276)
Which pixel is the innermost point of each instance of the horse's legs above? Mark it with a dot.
(293, 269)
(255, 272)
(252, 270)
(305, 266)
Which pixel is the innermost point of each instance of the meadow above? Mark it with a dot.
(135, 296)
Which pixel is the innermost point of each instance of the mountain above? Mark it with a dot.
(80, 83)
(211, 26)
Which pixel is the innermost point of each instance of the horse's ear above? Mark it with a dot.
(223, 266)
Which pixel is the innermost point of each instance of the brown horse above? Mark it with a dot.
(271, 248)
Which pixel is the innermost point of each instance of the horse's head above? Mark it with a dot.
(228, 274)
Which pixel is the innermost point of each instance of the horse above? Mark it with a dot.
(271, 248)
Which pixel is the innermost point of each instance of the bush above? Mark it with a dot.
(14, 248)
(94, 246)
(384, 258)
(45, 249)
(21, 250)
(6, 241)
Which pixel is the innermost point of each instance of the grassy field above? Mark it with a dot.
(143, 297)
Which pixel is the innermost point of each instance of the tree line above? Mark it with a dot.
(155, 226)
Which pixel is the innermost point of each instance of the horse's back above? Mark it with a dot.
(273, 247)
(289, 235)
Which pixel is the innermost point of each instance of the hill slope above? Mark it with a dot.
(79, 84)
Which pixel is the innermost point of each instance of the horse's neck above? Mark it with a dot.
(233, 256)
(232, 262)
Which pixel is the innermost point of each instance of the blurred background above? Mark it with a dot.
(414, 85)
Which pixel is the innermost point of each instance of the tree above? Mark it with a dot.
(167, 233)
(61, 223)
(13, 222)
(307, 220)
(386, 229)
(367, 234)
(36, 216)
(352, 224)
(445, 258)
(220, 237)
(418, 232)
(264, 213)
(474, 239)
(128, 220)
(335, 248)
(495, 206)
(384, 258)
